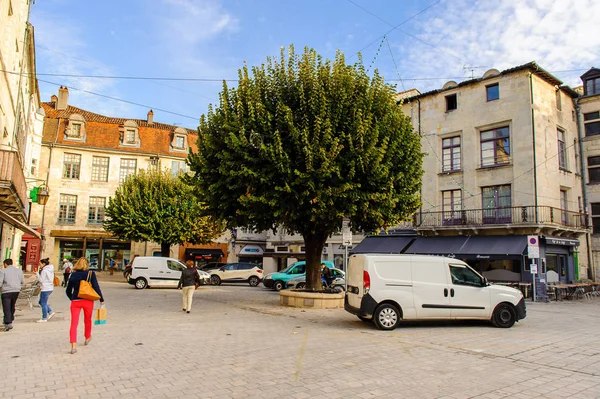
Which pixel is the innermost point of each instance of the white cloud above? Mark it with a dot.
(558, 35)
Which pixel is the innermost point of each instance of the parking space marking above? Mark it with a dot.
(300, 356)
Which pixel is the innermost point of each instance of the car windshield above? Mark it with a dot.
(287, 269)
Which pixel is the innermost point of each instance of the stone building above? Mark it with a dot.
(20, 127)
(503, 161)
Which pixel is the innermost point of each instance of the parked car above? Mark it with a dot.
(337, 282)
(391, 288)
(277, 280)
(153, 271)
(237, 272)
(212, 266)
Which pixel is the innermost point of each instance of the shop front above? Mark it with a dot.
(101, 254)
(31, 250)
(251, 253)
(203, 254)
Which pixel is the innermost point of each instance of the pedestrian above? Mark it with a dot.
(80, 273)
(111, 266)
(11, 280)
(189, 281)
(326, 274)
(45, 276)
(67, 266)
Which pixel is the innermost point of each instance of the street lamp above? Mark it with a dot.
(42, 195)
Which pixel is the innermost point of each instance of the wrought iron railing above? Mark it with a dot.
(516, 215)
(11, 172)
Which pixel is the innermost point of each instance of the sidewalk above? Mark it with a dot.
(117, 277)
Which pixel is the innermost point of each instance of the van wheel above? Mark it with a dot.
(504, 316)
(277, 285)
(387, 317)
(215, 280)
(253, 281)
(141, 283)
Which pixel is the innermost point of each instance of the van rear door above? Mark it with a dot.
(430, 287)
(354, 280)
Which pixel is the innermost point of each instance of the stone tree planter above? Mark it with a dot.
(310, 299)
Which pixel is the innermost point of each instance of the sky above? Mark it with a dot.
(418, 44)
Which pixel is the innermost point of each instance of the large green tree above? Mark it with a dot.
(302, 142)
(156, 206)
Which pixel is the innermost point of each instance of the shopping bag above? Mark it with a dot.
(56, 281)
(86, 291)
(100, 316)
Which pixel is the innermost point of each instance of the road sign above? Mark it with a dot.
(346, 232)
(533, 268)
(533, 247)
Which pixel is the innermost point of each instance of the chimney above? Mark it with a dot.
(54, 99)
(150, 119)
(63, 98)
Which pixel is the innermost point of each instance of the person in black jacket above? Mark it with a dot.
(326, 274)
(79, 273)
(189, 281)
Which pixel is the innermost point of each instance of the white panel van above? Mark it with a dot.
(391, 288)
(151, 271)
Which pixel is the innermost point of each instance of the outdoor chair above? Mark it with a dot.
(31, 289)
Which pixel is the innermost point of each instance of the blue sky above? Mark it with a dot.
(212, 38)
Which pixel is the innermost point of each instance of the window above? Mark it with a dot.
(130, 137)
(180, 142)
(178, 167)
(592, 123)
(75, 131)
(576, 150)
(34, 167)
(179, 139)
(465, 276)
(493, 92)
(558, 101)
(594, 170)
(100, 169)
(72, 166)
(96, 211)
(562, 150)
(128, 167)
(564, 206)
(595, 217)
(172, 265)
(592, 86)
(495, 147)
(451, 154)
(451, 103)
(66, 209)
(129, 134)
(452, 207)
(496, 204)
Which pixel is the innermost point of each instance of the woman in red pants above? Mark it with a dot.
(79, 273)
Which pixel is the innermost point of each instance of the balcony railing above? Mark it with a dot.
(13, 178)
(516, 215)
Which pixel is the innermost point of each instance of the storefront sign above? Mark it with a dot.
(116, 245)
(71, 244)
(482, 256)
(251, 250)
(562, 241)
(533, 247)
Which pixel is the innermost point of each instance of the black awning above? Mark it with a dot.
(382, 245)
(437, 245)
(213, 252)
(495, 246)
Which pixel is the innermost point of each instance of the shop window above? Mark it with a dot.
(562, 150)
(67, 208)
(96, 210)
(496, 204)
(128, 167)
(451, 102)
(493, 92)
(591, 122)
(593, 170)
(495, 147)
(452, 207)
(71, 166)
(100, 168)
(451, 154)
(595, 217)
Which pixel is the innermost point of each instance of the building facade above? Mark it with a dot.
(20, 126)
(503, 162)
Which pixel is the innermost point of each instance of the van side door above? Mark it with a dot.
(430, 288)
(174, 273)
(469, 295)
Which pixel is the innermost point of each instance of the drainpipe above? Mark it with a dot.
(584, 179)
(535, 186)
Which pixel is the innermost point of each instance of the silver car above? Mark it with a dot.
(338, 282)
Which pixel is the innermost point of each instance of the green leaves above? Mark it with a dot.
(302, 142)
(155, 206)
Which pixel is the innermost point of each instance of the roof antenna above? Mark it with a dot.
(472, 69)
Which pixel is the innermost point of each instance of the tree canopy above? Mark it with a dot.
(156, 206)
(302, 142)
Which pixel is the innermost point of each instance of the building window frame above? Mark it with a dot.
(128, 167)
(494, 140)
(452, 207)
(179, 140)
(561, 138)
(451, 102)
(96, 209)
(593, 164)
(75, 129)
(71, 166)
(591, 123)
(564, 207)
(67, 209)
(129, 134)
(595, 207)
(451, 154)
(592, 86)
(497, 204)
(100, 168)
(492, 92)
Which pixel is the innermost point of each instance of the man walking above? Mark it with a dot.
(11, 279)
(67, 266)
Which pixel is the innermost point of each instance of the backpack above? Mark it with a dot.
(56, 281)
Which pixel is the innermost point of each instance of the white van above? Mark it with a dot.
(390, 288)
(153, 271)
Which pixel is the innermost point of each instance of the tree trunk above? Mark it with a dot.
(165, 249)
(313, 249)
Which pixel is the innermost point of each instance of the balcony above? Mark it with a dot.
(13, 188)
(526, 219)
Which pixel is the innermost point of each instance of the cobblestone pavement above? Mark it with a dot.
(238, 342)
